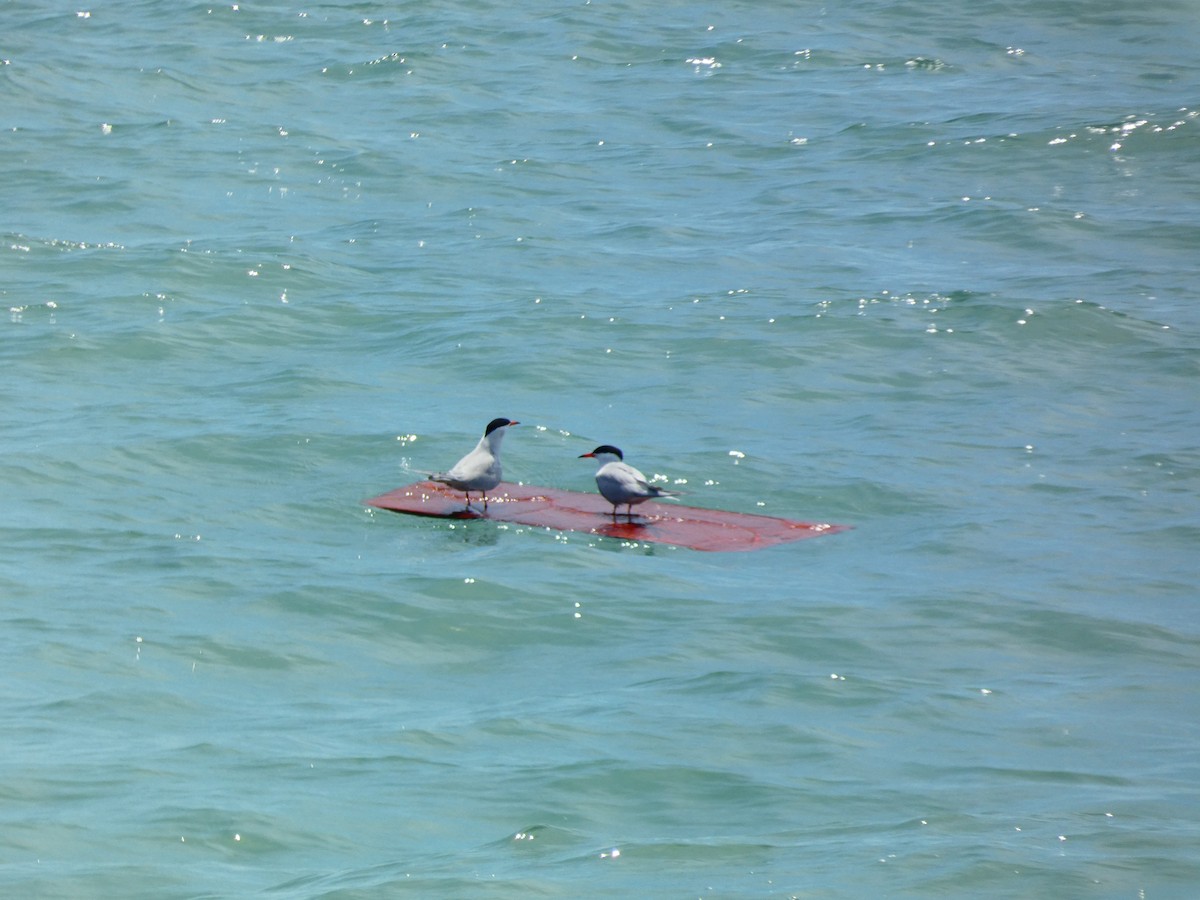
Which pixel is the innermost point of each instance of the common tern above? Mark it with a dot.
(619, 482)
(479, 470)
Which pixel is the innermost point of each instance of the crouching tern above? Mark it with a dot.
(620, 483)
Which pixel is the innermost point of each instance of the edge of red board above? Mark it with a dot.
(654, 522)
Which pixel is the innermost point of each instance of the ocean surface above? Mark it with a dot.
(925, 269)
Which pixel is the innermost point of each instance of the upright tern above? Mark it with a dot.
(619, 482)
(479, 470)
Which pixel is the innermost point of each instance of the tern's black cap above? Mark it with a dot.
(497, 423)
(605, 448)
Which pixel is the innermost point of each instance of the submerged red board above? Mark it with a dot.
(660, 523)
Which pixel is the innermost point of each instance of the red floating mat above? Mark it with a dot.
(660, 523)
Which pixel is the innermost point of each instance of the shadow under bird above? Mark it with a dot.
(620, 483)
(479, 470)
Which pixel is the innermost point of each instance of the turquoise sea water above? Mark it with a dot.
(928, 270)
